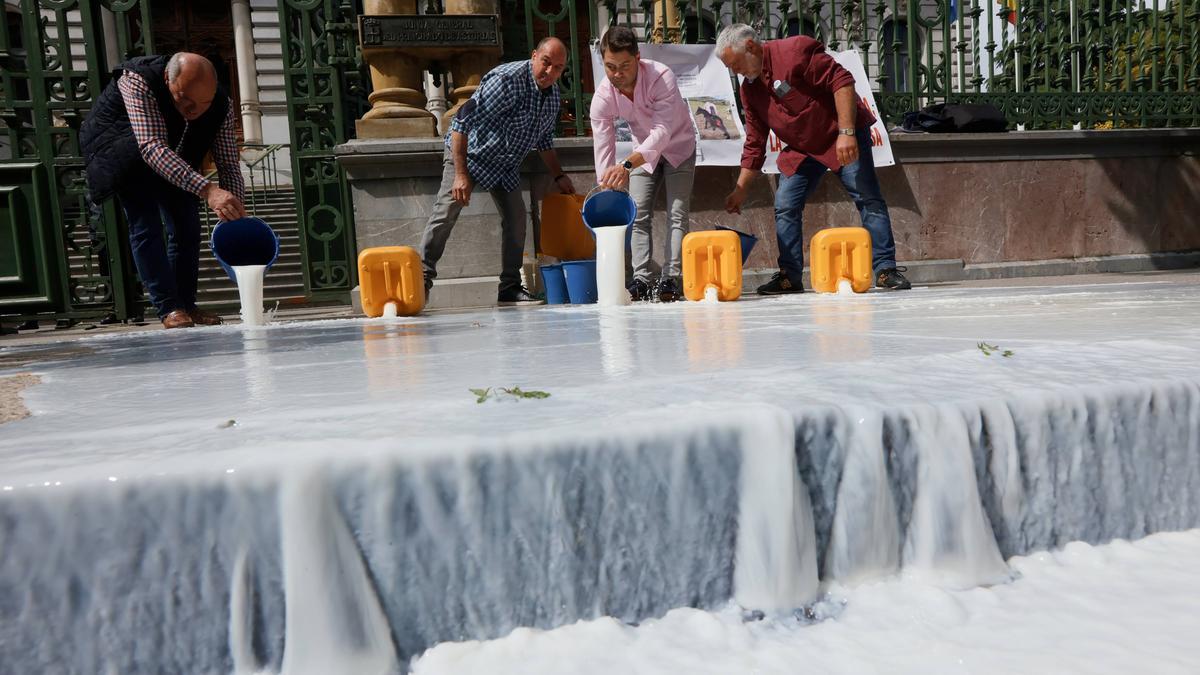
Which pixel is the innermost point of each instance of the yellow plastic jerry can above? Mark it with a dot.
(840, 253)
(712, 259)
(391, 274)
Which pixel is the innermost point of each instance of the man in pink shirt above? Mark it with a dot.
(644, 94)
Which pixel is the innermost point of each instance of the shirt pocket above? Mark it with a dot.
(795, 102)
(517, 128)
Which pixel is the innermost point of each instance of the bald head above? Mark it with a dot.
(549, 61)
(193, 83)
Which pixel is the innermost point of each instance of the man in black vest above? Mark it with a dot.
(144, 142)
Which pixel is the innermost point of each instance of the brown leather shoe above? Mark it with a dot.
(178, 319)
(203, 318)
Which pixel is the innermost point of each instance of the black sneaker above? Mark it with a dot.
(428, 287)
(517, 295)
(779, 285)
(667, 290)
(892, 279)
(639, 290)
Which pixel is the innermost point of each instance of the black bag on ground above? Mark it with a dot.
(956, 118)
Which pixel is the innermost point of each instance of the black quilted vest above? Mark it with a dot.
(106, 138)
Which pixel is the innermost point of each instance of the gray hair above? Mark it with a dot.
(175, 63)
(734, 37)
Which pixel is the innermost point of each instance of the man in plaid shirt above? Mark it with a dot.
(512, 112)
(144, 141)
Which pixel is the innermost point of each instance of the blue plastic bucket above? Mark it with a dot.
(245, 241)
(607, 208)
(555, 284)
(581, 281)
(748, 242)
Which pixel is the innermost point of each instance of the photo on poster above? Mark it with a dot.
(714, 118)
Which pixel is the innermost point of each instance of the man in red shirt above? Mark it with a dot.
(792, 87)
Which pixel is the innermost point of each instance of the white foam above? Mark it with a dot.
(610, 266)
(334, 619)
(949, 539)
(776, 562)
(1115, 609)
(250, 292)
(865, 541)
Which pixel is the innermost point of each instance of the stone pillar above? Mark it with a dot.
(436, 96)
(602, 19)
(468, 68)
(108, 23)
(398, 82)
(666, 26)
(243, 43)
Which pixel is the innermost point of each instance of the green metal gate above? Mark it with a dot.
(55, 256)
(58, 258)
(325, 93)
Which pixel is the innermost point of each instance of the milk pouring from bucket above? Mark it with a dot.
(608, 214)
(246, 249)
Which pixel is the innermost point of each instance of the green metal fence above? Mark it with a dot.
(1044, 63)
(58, 255)
(326, 92)
(70, 261)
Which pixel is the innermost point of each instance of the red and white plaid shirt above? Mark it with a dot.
(150, 130)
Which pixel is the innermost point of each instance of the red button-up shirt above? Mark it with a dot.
(804, 118)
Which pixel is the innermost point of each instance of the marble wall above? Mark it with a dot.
(976, 198)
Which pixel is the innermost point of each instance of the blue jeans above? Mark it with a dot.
(863, 185)
(169, 269)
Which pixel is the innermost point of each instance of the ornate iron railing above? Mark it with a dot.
(1044, 63)
(322, 70)
(63, 260)
(261, 164)
(262, 168)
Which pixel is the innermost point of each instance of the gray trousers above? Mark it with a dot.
(643, 187)
(511, 206)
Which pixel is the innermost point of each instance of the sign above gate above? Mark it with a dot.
(429, 30)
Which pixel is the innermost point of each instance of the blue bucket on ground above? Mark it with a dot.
(245, 241)
(581, 281)
(607, 208)
(555, 283)
(748, 242)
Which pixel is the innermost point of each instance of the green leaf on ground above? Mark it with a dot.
(988, 350)
(520, 393)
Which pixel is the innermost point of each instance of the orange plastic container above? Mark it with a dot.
(840, 253)
(712, 258)
(391, 274)
(563, 234)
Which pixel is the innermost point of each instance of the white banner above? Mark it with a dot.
(881, 145)
(705, 83)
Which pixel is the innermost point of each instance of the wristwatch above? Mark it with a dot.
(628, 165)
(846, 132)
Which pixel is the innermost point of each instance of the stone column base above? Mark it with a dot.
(397, 127)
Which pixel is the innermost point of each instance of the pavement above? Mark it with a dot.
(48, 333)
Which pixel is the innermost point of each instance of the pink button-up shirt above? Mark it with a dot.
(658, 117)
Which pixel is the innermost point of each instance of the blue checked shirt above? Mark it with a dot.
(504, 119)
